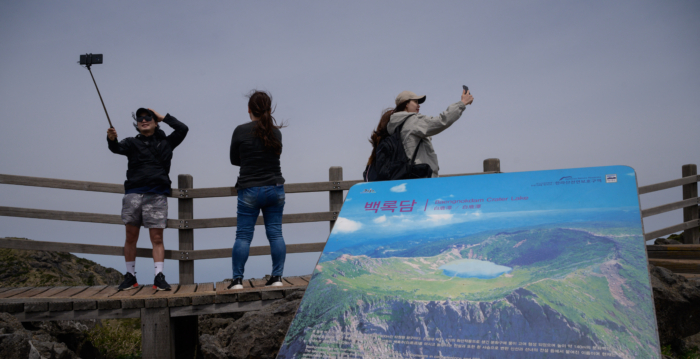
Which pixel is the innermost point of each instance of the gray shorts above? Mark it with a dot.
(147, 209)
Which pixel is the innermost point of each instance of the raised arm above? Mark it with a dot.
(424, 126)
(180, 129)
(120, 148)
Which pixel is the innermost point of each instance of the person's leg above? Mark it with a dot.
(272, 213)
(132, 237)
(155, 218)
(157, 242)
(247, 214)
(131, 216)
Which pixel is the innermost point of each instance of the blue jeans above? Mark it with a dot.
(250, 201)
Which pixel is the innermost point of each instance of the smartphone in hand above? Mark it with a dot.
(466, 88)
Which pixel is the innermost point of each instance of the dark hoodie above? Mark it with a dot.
(149, 157)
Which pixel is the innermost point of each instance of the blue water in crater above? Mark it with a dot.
(474, 268)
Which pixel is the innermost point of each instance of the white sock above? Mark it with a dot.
(159, 267)
(131, 267)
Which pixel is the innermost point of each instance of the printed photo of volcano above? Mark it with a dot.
(546, 264)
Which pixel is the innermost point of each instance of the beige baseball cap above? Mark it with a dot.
(408, 95)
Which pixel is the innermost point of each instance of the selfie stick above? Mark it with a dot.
(87, 61)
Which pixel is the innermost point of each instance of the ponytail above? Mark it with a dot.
(260, 105)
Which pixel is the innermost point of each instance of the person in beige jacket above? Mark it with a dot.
(419, 126)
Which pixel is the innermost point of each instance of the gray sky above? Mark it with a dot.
(556, 84)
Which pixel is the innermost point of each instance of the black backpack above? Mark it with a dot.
(391, 162)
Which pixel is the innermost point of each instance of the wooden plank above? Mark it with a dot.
(127, 293)
(296, 281)
(49, 293)
(233, 221)
(682, 251)
(167, 293)
(147, 291)
(678, 265)
(35, 306)
(79, 315)
(670, 207)
(78, 248)
(673, 247)
(106, 293)
(258, 282)
(672, 229)
(205, 287)
(90, 291)
(255, 251)
(30, 293)
(5, 289)
(61, 306)
(61, 215)
(306, 277)
(668, 184)
(71, 291)
(187, 289)
(156, 338)
(61, 183)
(219, 308)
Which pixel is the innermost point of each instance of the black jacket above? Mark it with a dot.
(260, 166)
(149, 157)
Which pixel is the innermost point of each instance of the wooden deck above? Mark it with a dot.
(105, 302)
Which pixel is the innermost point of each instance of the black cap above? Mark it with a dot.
(143, 112)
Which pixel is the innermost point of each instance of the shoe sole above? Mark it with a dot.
(275, 284)
(237, 286)
(129, 288)
(156, 288)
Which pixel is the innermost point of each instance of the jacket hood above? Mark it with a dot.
(396, 119)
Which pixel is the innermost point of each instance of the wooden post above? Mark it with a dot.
(185, 211)
(335, 198)
(492, 165)
(692, 235)
(156, 334)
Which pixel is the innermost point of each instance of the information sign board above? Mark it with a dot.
(545, 264)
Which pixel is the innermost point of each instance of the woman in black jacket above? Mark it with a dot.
(256, 147)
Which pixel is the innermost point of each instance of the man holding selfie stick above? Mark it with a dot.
(147, 187)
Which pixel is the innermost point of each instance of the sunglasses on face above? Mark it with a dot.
(144, 119)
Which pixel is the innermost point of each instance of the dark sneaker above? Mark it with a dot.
(129, 282)
(237, 283)
(274, 281)
(159, 282)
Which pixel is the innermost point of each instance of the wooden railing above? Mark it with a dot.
(185, 223)
(689, 204)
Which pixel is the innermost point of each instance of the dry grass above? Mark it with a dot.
(117, 338)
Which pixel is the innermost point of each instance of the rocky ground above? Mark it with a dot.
(22, 268)
(249, 335)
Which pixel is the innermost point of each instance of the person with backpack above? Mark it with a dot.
(147, 187)
(412, 133)
(256, 147)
